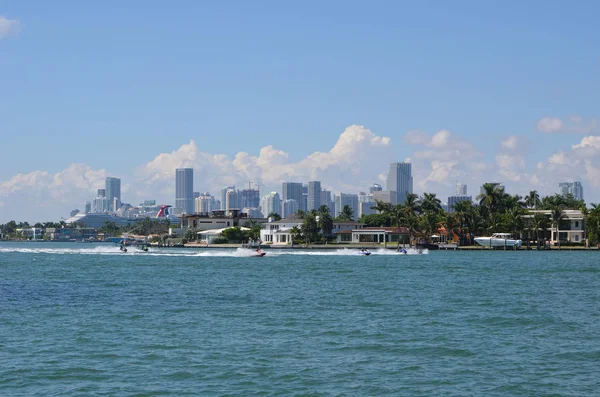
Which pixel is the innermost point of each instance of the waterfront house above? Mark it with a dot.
(571, 227)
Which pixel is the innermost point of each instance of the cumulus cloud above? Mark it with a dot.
(8, 26)
(352, 164)
(28, 196)
(574, 125)
(440, 159)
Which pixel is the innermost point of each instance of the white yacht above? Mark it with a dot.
(499, 240)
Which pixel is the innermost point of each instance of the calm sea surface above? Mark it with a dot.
(86, 320)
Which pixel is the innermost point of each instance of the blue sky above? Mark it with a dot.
(110, 86)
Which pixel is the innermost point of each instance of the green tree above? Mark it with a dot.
(275, 216)
(346, 215)
(431, 203)
(310, 228)
(556, 214)
(533, 199)
(325, 220)
(233, 234)
(110, 228)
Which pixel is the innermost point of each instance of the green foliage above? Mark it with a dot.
(346, 215)
(276, 217)
(375, 220)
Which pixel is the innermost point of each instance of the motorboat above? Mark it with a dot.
(499, 240)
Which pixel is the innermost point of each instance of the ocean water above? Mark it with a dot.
(87, 320)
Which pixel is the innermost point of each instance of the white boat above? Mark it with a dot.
(499, 240)
(364, 252)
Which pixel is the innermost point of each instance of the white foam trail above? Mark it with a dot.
(206, 252)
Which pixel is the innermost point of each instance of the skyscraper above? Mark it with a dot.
(346, 199)
(400, 180)
(573, 188)
(292, 191)
(250, 198)
(271, 203)
(461, 190)
(314, 195)
(289, 208)
(184, 190)
(112, 191)
(224, 196)
(233, 200)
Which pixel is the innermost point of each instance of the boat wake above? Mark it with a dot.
(210, 252)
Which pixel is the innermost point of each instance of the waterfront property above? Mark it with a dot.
(220, 219)
(281, 232)
(373, 235)
(570, 228)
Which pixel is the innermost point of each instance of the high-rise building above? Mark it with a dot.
(328, 201)
(112, 192)
(461, 195)
(386, 196)
(224, 195)
(205, 203)
(366, 208)
(271, 203)
(233, 200)
(88, 207)
(573, 188)
(346, 199)
(400, 180)
(292, 191)
(250, 198)
(289, 208)
(375, 188)
(314, 195)
(195, 195)
(184, 190)
(101, 192)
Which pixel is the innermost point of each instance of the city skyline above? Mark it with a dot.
(472, 92)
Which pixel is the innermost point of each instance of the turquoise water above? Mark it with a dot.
(86, 320)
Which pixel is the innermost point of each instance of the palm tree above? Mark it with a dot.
(309, 227)
(491, 196)
(533, 199)
(275, 216)
(325, 222)
(381, 206)
(347, 214)
(451, 223)
(556, 214)
(539, 223)
(430, 202)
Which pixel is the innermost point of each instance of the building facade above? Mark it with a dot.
(271, 204)
(573, 188)
(292, 191)
(314, 195)
(112, 192)
(400, 180)
(184, 190)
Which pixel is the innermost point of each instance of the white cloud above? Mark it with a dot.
(352, 164)
(38, 194)
(511, 142)
(7, 26)
(550, 124)
(574, 125)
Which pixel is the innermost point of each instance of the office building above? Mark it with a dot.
(313, 195)
(343, 199)
(250, 198)
(328, 201)
(400, 180)
(461, 195)
(233, 200)
(366, 208)
(101, 193)
(112, 192)
(224, 195)
(184, 190)
(271, 204)
(375, 188)
(88, 207)
(205, 204)
(573, 188)
(289, 208)
(292, 191)
(385, 196)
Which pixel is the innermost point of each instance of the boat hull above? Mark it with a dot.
(498, 242)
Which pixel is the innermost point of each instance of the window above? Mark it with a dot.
(576, 223)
